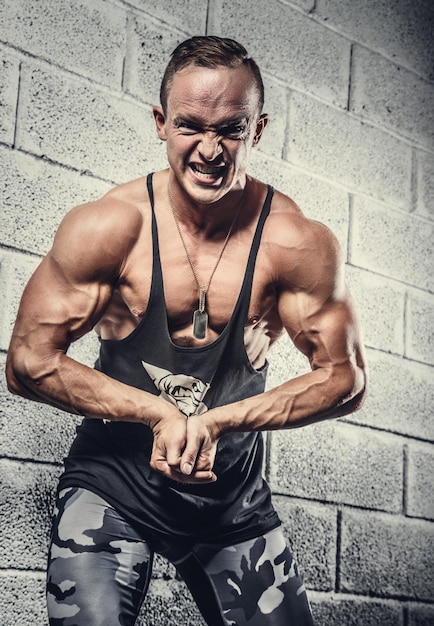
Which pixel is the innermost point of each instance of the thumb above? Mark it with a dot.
(187, 468)
(189, 456)
(199, 452)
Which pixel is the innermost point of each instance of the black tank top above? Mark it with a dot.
(112, 458)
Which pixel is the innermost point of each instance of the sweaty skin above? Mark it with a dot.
(98, 274)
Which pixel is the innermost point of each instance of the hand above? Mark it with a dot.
(170, 443)
(199, 453)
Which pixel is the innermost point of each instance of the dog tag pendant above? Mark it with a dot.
(200, 316)
(200, 324)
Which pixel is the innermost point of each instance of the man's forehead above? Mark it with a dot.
(219, 86)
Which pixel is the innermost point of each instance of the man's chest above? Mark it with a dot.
(225, 282)
(222, 287)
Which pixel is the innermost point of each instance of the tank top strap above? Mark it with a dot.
(157, 290)
(246, 289)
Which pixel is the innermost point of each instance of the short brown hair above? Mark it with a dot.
(210, 51)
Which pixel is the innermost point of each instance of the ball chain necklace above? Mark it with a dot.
(200, 316)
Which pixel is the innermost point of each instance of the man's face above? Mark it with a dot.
(210, 126)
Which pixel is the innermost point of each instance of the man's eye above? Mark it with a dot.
(234, 132)
(188, 129)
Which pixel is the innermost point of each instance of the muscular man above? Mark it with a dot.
(188, 276)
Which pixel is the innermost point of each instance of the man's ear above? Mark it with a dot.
(160, 122)
(260, 127)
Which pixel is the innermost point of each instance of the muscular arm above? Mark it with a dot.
(317, 311)
(335, 386)
(63, 300)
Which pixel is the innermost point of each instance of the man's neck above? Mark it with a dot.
(207, 219)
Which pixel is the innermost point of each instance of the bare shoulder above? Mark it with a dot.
(288, 225)
(101, 234)
(304, 252)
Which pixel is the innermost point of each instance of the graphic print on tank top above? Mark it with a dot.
(185, 392)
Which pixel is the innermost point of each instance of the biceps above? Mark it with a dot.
(327, 332)
(334, 336)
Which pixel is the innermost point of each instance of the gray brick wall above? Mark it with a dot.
(351, 97)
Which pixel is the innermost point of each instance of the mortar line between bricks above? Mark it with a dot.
(65, 166)
(207, 16)
(404, 479)
(33, 573)
(304, 12)
(422, 290)
(213, 18)
(28, 253)
(339, 503)
(353, 507)
(414, 187)
(25, 460)
(49, 65)
(350, 76)
(17, 104)
(118, 3)
(414, 288)
(338, 550)
(388, 601)
(156, 21)
(405, 616)
(124, 60)
(406, 437)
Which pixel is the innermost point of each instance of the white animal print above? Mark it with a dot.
(185, 392)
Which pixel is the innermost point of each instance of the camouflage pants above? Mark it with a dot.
(99, 571)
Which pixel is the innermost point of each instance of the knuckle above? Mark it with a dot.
(173, 464)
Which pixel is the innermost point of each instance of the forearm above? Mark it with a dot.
(73, 387)
(319, 395)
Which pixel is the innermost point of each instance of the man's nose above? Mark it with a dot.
(209, 146)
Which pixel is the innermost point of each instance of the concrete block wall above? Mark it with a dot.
(351, 97)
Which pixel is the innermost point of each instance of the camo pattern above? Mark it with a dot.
(89, 539)
(258, 583)
(99, 571)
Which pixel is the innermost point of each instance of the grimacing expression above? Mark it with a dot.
(211, 124)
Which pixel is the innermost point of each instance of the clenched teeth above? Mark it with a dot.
(207, 170)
